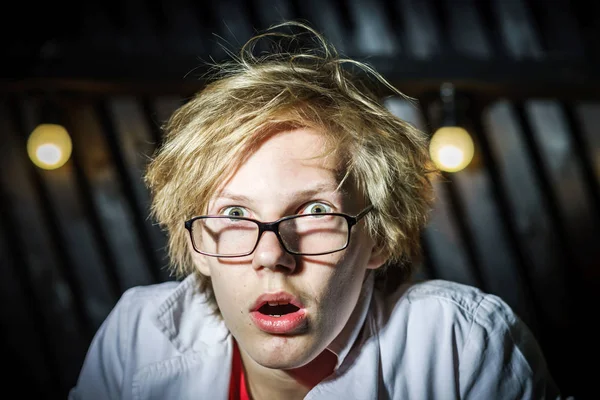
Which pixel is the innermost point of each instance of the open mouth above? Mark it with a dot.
(279, 313)
(277, 309)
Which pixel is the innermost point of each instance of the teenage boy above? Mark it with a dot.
(288, 190)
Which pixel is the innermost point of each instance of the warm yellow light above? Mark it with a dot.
(451, 148)
(49, 154)
(49, 146)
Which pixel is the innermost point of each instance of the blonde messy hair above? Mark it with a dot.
(255, 96)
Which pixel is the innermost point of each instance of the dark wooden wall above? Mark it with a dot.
(523, 221)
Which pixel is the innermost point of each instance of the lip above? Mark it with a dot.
(285, 324)
(283, 297)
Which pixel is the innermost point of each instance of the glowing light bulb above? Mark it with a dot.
(451, 148)
(49, 153)
(49, 146)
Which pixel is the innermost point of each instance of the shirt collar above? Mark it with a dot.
(187, 320)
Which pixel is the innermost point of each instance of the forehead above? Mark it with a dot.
(305, 145)
(285, 163)
(297, 153)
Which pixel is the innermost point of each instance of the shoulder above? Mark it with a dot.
(153, 322)
(175, 315)
(444, 329)
(432, 309)
(171, 310)
(463, 296)
(460, 303)
(154, 301)
(143, 299)
(136, 309)
(132, 321)
(453, 306)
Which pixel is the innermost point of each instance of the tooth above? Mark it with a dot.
(275, 315)
(273, 303)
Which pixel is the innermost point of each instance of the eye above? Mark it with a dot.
(235, 211)
(317, 208)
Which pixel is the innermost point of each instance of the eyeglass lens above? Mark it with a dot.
(306, 234)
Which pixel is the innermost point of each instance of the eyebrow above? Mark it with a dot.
(317, 189)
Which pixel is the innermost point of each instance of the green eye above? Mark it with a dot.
(318, 208)
(234, 212)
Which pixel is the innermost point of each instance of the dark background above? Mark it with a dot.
(522, 221)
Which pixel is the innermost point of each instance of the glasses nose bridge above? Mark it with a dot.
(271, 227)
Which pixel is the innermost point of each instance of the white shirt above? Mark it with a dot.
(429, 340)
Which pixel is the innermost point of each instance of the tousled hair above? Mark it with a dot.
(252, 97)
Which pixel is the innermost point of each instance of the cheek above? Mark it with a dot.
(342, 288)
(345, 287)
(229, 290)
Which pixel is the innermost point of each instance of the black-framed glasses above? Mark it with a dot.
(302, 234)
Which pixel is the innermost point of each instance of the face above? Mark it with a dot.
(284, 177)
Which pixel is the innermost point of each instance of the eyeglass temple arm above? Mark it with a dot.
(363, 212)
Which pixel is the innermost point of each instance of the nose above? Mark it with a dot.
(270, 254)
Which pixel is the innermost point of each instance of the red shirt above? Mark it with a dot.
(237, 383)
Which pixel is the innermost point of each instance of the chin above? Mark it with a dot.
(282, 352)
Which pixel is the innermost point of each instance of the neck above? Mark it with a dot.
(266, 383)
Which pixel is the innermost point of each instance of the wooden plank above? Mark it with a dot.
(587, 146)
(587, 15)
(114, 216)
(574, 329)
(134, 146)
(325, 17)
(496, 258)
(421, 31)
(447, 247)
(529, 215)
(565, 42)
(515, 23)
(564, 172)
(76, 232)
(589, 115)
(20, 332)
(577, 220)
(372, 32)
(576, 224)
(61, 307)
(465, 29)
(446, 250)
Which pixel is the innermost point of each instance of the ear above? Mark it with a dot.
(377, 258)
(199, 260)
